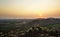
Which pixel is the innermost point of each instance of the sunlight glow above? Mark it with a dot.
(29, 8)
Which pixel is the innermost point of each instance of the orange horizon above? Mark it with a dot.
(30, 8)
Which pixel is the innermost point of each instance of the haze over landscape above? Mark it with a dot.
(29, 8)
(29, 18)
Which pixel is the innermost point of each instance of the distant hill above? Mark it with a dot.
(24, 24)
(43, 22)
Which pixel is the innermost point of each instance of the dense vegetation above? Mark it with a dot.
(30, 27)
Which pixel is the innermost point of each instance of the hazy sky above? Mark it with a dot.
(29, 8)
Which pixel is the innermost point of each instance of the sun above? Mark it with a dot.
(39, 15)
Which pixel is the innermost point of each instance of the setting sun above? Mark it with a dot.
(29, 18)
(29, 8)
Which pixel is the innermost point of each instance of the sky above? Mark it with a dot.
(29, 8)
